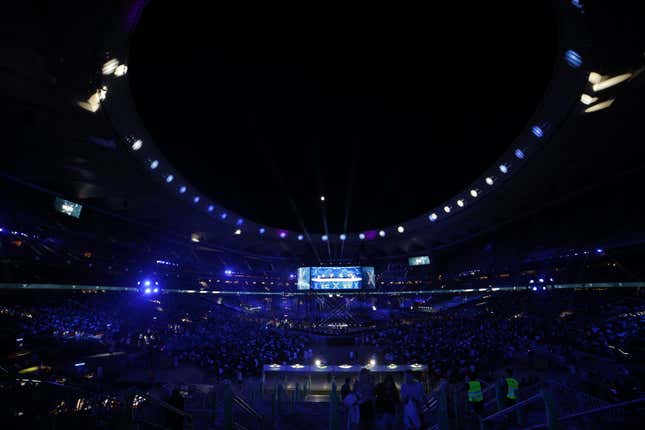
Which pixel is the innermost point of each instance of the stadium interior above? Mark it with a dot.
(259, 217)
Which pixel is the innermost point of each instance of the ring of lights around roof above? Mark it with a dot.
(562, 93)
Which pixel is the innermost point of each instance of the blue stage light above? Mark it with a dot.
(240, 221)
(148, 290)
(154, 164)
(196, 199)
(432, 217)
(283, 234)
(223, 215)
(300, 237)
(324, 237)
(170, 178)
(573, 59)
(381, 233)
(537, 131)
(182, 189)
(343, 237)
(503, 168)
(361, 236)
(228, 272)
(519, 154)
(262, 230)
(211, 208)
(534, 288)
(155, 290)
(147, 283)
(599, 251)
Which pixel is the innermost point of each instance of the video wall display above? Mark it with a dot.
(419, 261)
(324, 278)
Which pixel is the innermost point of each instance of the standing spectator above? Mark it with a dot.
(364, 390)
(412, 397)
(387, 401)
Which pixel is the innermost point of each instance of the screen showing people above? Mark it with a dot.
(336, 278)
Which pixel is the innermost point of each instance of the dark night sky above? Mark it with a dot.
(404, 107)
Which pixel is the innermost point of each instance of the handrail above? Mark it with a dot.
(246, 407)
(166, 405)
(602, 409)
(512, 408)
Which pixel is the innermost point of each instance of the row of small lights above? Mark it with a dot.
(572, 58)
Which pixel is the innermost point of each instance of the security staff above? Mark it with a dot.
(475, 394)
(512, 388)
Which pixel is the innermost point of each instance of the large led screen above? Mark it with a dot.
(336, 278)
(369, 278)
(303, 278)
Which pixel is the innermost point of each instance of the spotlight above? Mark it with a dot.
(211, 208)
(446, 209)
(460, 203)
(262, 230)
(381, 233)
(400, 229)
(372, 362)
(300, 237)
(432, 217)
(587, 99)
(537, 131)
(490, 180)
(317, 362)
(283, 234)
(137, 144)
(196, 199)
(343, 237)
(147, 290)
(110, 66)
(474, 193)
(154, 164)
(503, 168)
(182, 189)
(223, 215)
(373, 307)
(361, 236)
(599, 251)
(147, 283)
(155, 290)
(541, 280)
(228, 272)
(519, 154)
(573, 59)
(240, 221)
(322, 198)
(534, 288)
(238, 232)
(170, 178)
(324, 238)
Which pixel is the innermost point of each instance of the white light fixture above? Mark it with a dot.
(324, 238)
(474, 193)
(121, 70)
(322, 198)
(503, 168)
(587, 99)
(343, 237)
(154, 164)
(381, 233)
(594, 78)
(182, 189)
(238, 232)
(361, 236)
(607, 83)
(600, 106)
(490, 180)
(460, 203)
(137, 144)
(400, 229)
(170, 178)
(317, 362)
(432, 217)
(300, 237)
(110, 66)
(446, 209)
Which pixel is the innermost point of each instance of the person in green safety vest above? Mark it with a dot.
(475, 394)
(512, 388)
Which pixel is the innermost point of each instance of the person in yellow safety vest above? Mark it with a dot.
(512, 388)
(475, 394)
